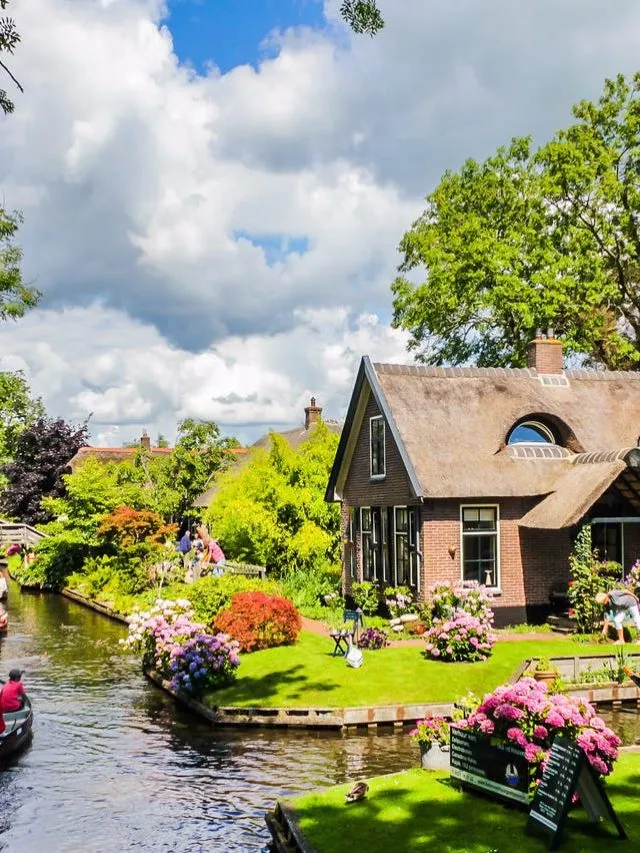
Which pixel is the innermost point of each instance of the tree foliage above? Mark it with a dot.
(42, 452)
(273, 512)
(363, 16)
(15, 296)
(9, 39)
(530, 239)
(126, 526)
(18, 410)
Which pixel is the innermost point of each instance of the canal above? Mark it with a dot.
(116, 766)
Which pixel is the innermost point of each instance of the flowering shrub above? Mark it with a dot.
(365, 594)
(460, 638)
(154, 633)
(14, 548)
(586, 582)
(632, 580)
(373, 638)
(259, 621)
(526, 714)
(431, 730)
(204, 662)
(399, 600)
(475, 599)
(180, 649)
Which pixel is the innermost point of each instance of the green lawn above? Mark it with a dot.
(419, 811)
(306, 675)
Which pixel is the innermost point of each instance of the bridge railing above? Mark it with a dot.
(18, 533)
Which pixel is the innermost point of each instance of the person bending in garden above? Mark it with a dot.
(621, 602)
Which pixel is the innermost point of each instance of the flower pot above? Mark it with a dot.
(545, 675)
(433, 756)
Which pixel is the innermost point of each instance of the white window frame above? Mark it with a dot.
(384, 448)
(532, 424)
(495, 533)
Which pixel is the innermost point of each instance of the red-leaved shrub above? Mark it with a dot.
(259, 621)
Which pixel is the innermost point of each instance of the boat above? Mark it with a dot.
(17, 733)
(4, 620)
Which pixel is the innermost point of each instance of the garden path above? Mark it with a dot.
(315, 626)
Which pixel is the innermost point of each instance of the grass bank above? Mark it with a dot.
(306, 674)
(419, 810)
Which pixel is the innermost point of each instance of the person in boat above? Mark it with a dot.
(622, 603)
(13, 693)
(3, 587)
(3, 618)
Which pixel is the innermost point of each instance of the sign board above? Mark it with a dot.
(568, 772)
(497, 769)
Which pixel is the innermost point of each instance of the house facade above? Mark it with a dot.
(486, 474)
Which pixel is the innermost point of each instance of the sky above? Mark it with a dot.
(214, 190)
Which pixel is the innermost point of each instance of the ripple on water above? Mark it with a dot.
(115, 765)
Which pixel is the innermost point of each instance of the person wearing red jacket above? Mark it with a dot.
(12, 694)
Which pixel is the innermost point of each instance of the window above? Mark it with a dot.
(531, 432)
(353, 549)
(480, 544)
(376, 444)
(401, 543)
(368, 552)
(607, 540)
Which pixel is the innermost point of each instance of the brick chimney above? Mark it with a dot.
(312, 413)
(145, 441)
(545, 353)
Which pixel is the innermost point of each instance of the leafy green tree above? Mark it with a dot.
(18, 410)
(15, 296)
(9, 39)
(363, 16)
(533, 239)
(273, 512)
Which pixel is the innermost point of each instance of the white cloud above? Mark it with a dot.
(146, 189)
(132, 378)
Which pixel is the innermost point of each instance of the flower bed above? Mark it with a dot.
(528, 715)
(372, 639)
(260, 621)
(170, 642)
(461, 624)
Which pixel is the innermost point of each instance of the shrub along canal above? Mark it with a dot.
(116, 765)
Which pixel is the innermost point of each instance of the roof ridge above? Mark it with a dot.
(442, 372)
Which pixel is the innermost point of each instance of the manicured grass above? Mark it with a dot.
(419, 811)
(306, 674)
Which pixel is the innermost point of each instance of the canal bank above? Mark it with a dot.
(116, 765)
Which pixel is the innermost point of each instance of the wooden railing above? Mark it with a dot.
(18, 533)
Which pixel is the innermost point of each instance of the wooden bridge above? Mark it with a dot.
(18, 533)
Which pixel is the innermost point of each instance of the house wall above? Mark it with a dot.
(532, 562)
(359, 488)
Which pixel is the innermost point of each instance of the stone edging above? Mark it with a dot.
(93, 605)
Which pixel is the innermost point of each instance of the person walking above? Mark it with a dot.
(622, 603)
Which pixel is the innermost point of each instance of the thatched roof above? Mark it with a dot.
(451, 426)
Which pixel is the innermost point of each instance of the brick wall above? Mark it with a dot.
(532, 562)
(359, 488)
(545, 354)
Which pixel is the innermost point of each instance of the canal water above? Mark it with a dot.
(116, 766)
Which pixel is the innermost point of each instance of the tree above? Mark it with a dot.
(528, 240)
(18, 410)
(42, 453)
(9, 38)
(15, 296)
(273, 512)
(363, 16)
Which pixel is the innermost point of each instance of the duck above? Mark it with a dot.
(354, 656)
(357, 792)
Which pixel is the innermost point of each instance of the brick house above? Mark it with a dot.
(486, 474)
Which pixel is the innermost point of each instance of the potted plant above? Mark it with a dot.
(432, 736)
(544, 671)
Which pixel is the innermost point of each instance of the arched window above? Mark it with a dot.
(531, 432)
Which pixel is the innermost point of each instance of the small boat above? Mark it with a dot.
(4, 621)
(632, 675)
(17, 732)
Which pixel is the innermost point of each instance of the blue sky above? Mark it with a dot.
(230, 32)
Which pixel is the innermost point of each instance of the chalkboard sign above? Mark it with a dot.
(497, 769)
(568, 772)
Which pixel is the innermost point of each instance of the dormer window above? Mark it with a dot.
(531, 432)
(377, 455)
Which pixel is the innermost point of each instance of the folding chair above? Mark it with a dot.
(339, 635)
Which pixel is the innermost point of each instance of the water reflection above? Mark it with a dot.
(115, 765)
